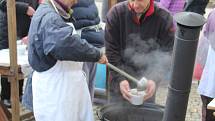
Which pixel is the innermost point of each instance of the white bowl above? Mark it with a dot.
(137, 97)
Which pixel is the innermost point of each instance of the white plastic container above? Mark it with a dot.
(137, 97)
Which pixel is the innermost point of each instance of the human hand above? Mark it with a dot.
(103, 59)
(150, 90)
(30, 11)
(41, 1)
(25, 40)
(124, 89)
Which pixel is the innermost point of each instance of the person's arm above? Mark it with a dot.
(21, 7)
(205, 39)
(112, 45)
(62, 44)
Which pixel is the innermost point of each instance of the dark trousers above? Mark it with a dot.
(5, 88)
(207, 115)
(197, 6)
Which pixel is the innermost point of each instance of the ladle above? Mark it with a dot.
(141, 84)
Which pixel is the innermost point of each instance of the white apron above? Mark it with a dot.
(61, 94)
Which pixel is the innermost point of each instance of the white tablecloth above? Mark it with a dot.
(22, 58)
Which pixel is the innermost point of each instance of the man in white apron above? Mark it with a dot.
(56, 53)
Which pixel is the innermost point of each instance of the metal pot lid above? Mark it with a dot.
(189, 19)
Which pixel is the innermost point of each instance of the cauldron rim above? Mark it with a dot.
(100, 112)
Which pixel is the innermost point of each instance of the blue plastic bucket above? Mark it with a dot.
(100, 78)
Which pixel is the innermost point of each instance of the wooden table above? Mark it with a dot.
(5, 71)
(5, 115)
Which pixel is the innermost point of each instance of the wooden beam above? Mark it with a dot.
(11, 16)
(5, 115)
(111, 3)
(5, 72)
(27, 116)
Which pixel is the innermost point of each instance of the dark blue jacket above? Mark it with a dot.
(86, 14)
(51, 39)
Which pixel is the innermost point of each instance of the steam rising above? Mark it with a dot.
(146, 56)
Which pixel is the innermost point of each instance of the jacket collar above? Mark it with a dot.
(148, 13)
(61, 9)
(62, 5)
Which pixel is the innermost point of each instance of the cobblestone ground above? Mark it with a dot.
(194, 104)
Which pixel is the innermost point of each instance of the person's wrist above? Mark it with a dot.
(101, 53)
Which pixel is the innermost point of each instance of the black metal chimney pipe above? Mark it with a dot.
(184, 52)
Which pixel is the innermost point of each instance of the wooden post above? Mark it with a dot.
(111, 3)
(11, 16)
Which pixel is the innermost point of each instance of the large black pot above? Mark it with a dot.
(128, 112)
